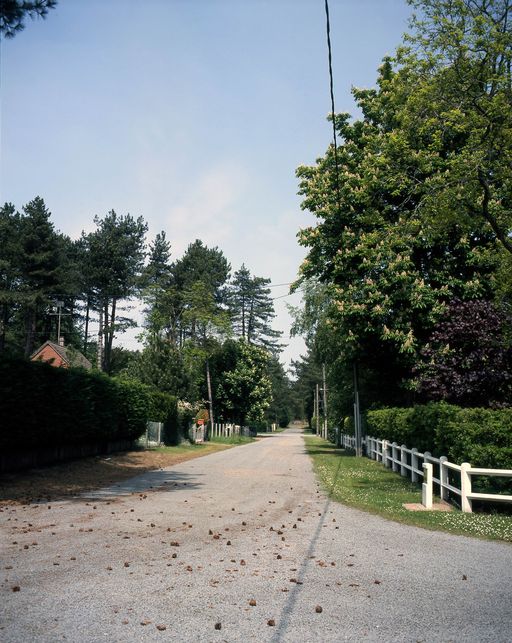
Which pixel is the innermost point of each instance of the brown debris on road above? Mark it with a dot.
(73, 478)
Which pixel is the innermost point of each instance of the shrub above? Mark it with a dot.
(482, 437)
(165, 409)
(392, 424)
(257, 426)
(41, 406)
(135, 406)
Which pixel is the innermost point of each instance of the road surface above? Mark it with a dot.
(241, 545)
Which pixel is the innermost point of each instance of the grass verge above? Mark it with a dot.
(73, 478)
(368, 485)
(233, 440)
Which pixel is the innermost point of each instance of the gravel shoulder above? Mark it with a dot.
(241, 545)
(72, 478)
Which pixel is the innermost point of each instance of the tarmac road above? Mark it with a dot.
(179, 554)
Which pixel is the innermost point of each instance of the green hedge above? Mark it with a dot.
(482, 437)
(44, 406)
(164, 408)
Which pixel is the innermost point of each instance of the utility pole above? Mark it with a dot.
(357, 414)
(58, 306)
(325, 401)
(210, 398)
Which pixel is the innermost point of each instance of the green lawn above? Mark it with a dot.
(368, 485)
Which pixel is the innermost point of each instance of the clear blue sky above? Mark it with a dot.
(192, 113)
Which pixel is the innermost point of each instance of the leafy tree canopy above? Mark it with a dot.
(420, 205)
(468, 358)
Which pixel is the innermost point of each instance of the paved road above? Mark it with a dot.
(171, 555)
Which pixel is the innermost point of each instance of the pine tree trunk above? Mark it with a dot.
(3, 326)
(86, 331)
(30, 329)
(109, 335)
(99, 358)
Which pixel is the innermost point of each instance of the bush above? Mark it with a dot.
(186, 416)
(165, 409)
(135, 406)
(44, 406)
(482, 437)
(257, 426)
(391, 424)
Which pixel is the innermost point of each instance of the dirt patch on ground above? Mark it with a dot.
(73, 478)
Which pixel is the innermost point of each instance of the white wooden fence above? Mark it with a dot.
(224, 430)
(413, 464)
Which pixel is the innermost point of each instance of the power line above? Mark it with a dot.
(290, 294)
(331, 84)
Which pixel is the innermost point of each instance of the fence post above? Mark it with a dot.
(414, 465)
(443, 478)
(465, 488)
(403, 460)
(426, 487)
(385, 453)
(394, 449)
(426, 456)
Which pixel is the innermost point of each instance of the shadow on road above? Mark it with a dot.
(165, 480)
(289, 606)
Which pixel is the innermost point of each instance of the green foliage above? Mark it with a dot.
(482, 437)
(186, 417)
(420, 207)
(280, 409)
(252, 310)
(136, 406)
(242, 387)
(113, 259)
(468, 358)
(158, 270)
(164, 408)
(306, 374)
(14, 12)
(457, 66)
(392, 422)
(160, 365)
(46, 406)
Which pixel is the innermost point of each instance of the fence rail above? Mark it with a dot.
(439, 471)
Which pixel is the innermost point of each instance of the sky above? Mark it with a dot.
(193, 114)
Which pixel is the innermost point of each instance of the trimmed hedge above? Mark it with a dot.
(482, 437)
(44, 406)
(164, 408)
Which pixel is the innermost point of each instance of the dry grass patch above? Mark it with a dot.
(78, 476)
